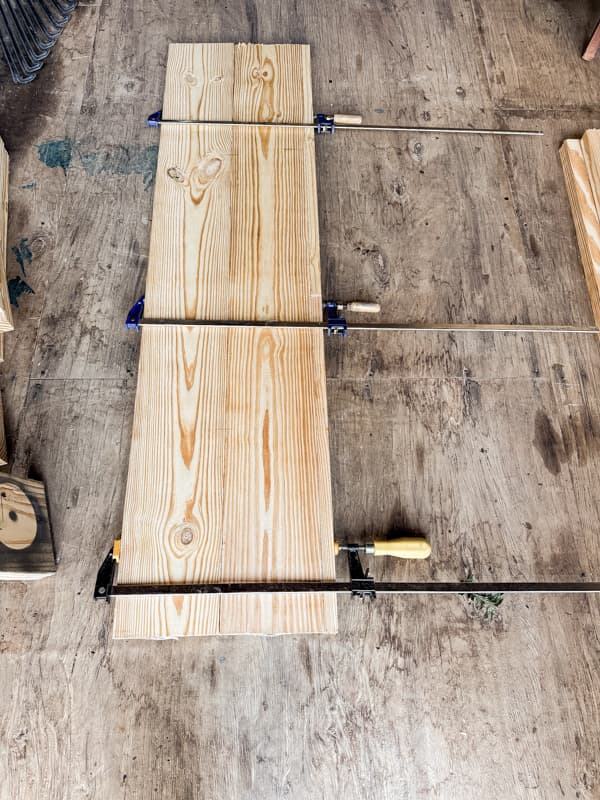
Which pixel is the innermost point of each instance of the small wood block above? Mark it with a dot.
(26, 550)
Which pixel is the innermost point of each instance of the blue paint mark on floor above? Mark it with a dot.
(108, 160)
(16, 287)
(57, 153)
(29, 185)
(23, 254)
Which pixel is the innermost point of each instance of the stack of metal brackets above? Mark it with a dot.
(28, 31)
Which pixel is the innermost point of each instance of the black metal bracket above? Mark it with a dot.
(362, 585)
(105, 578)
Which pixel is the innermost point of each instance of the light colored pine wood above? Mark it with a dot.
(6, 321)
(590, 148)
(229, 474)
(585, 216)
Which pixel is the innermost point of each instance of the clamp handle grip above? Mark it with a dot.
(408, 547)
(363, 308)
(347, 119)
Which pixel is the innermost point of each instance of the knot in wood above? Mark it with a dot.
(204, 174)
(184, 537)
(176, 174)
(264, 72)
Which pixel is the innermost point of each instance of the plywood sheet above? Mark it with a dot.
(229, 475)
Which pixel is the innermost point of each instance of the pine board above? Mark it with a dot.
(585, 216)
(229, 475)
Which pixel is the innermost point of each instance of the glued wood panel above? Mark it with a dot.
(6, 321)
(229, 475)
(585, 212)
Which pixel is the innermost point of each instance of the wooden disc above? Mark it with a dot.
(18, 524)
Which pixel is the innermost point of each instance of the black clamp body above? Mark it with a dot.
(362, 585)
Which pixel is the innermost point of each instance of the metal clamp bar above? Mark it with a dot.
(415, 328)
(326, 123)
(349, 587)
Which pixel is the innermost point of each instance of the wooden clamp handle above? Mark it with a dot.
(363, 308)
(405, 547)
(409, 547)
(347, 119)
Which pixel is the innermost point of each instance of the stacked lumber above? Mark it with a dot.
(229, 475)
(581, 166)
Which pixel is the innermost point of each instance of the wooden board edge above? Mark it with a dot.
(585, 217)
(6, 318)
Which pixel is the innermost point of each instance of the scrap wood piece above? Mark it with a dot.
(592, 46)
(26, 550)
(585, 216)
(229, 475)
(6, 320)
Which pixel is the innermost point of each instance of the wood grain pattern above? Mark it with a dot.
(229, 470)
(6, 321)
(575, 158)
(26, 550)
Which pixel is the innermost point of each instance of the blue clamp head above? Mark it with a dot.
(336, 325)
(136, 312)
(154, 120)
(324, 124)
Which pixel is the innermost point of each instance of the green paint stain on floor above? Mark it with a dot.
(23, 254)
(16, 287)
(56, 153)
(122, 160)
(108, 160)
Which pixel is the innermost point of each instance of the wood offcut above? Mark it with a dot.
(581, 167)
(26, 550)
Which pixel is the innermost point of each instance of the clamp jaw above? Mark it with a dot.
(362, 584)
(324, 123)
(154, 120)
(106, 573)
(134, 317)
(336, 324)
